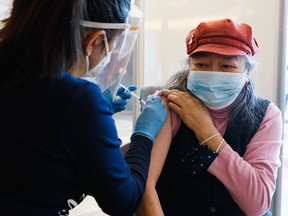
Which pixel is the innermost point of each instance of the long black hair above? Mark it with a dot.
(107, 11)
(39, 39)
(43, 38)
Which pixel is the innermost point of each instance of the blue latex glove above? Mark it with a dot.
(152, 118)
(120, 101)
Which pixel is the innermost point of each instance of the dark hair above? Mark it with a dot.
(39, 39)
(107, 11)
(246, 100)
(43, 38)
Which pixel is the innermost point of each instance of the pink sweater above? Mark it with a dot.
(251, 179)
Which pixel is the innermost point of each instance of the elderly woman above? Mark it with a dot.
(225, 140)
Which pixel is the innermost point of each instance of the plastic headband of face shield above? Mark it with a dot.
(100, 25)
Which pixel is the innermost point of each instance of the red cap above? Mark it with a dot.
(223, 37)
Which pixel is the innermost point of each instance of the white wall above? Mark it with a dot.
(167, 22)
(4, 7)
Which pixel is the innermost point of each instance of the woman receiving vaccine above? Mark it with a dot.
(225, 140)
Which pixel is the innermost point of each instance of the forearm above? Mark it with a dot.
(160, 149)
(150, 204)
(159, 154)
(138, 158)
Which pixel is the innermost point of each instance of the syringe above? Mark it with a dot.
(133, 94)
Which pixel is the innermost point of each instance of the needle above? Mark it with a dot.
(133, 94)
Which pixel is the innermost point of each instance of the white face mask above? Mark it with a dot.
(98, 67)
(101, 65)
(216, 90)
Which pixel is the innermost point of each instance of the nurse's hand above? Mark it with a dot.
(120, 101)
(151, 119)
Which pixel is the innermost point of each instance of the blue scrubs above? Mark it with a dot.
(59, 143)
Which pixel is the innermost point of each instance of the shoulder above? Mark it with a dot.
(175, 119)
(273, 111)
(84, 102)
(272, 120)
(267, 108)
(70, 82)
(71, 85)
(80, 93)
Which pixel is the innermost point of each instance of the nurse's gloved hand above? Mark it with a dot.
(151, 119)
(120, 101)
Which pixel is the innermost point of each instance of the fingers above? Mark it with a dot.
(118, 109)
(119, 105)
(124, 94)
(132, 88)
(151, 98)
(167, 92)
(157, 98)
(179, 101)
(174, 96)
(120, 90)
(173, 93)
(120, 102)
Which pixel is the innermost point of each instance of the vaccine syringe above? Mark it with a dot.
(133, 94)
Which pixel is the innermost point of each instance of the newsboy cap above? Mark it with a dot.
(224, 37)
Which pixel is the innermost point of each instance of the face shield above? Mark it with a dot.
(121, 47)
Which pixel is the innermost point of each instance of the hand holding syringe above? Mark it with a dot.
(133, 94)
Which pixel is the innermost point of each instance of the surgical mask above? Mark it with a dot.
(101, 65)
(216, 90)
(98, 67)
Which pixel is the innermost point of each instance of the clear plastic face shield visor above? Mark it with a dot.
(120, 49)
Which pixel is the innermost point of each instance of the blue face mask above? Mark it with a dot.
(216, 90)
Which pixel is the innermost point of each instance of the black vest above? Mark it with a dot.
(182, 191)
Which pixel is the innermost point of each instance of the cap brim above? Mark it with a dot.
(219, 49)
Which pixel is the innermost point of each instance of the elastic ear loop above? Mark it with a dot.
(87, 63)
(106, 49)
(106, 44)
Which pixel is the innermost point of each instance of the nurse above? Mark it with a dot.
(58, 139)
